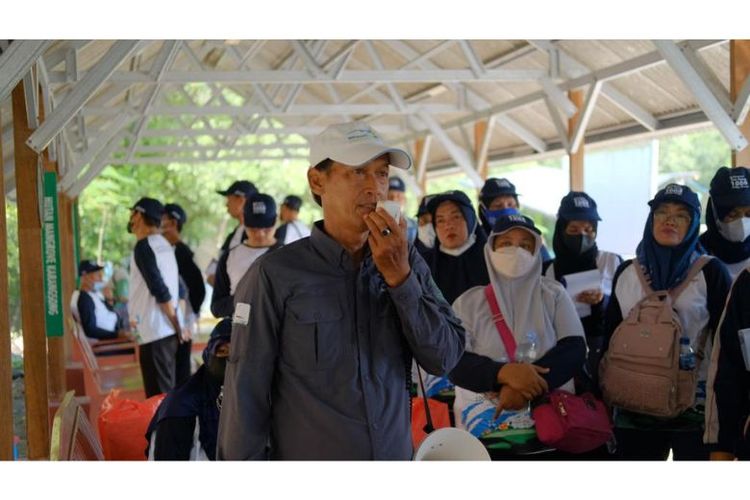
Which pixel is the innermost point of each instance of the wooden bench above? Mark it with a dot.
(100, 375)
(73, 437)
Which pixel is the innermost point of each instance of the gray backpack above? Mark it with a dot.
(640, 371)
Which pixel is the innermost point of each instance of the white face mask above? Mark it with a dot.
(511, 262)
(736, 231)
(426, 234)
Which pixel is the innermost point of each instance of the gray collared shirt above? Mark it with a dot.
(320, 365)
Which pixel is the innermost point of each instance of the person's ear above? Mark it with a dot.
(316, 180)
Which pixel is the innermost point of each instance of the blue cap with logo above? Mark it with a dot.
(511, 220)
(676, 193)
(577, 205)
(149, 207)
(259, 211)
(293, 202)
(240, 188)
(494, 187)
(730, 188)
(422, 208)
(459, 198)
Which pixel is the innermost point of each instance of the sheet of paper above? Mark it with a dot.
(580, 282)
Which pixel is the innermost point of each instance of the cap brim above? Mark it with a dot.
(223, 193)
(364, 153)
(738, 199)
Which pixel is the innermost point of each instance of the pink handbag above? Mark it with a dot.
(569, 423)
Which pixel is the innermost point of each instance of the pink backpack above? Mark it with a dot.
(640, 371)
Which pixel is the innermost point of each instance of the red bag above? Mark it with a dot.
(439, 413)
(570, 423)
(122, 426)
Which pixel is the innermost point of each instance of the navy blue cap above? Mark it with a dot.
(240, 188)
(676, 193)
(422, 209)
(511, 220)
(174, 211)
(88, 266)
(259, 211)
(396, 184)
(577, 205)
(221, 334)
(151, 208)
(494, 187)
(292, 201)
(730, 188)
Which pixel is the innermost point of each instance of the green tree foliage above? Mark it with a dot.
(699, 154)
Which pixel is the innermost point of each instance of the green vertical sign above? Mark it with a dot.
(51, 255)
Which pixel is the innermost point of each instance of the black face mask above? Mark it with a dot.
(216, 367)
(578, 243)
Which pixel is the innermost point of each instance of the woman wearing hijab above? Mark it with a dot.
(259, 219)
(666, 253)
(187, 422)
(728, 219)
(536, 309)
(425, 240)
(457, 261)
(574, 242)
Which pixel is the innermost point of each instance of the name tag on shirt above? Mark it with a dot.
(241, 314)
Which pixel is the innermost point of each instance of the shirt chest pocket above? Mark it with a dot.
(315, 335)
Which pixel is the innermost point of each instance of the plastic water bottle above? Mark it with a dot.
(527, 351)
(687, 355)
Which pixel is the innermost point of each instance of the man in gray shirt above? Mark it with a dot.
(324, 329)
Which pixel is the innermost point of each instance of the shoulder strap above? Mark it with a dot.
(642, 276)
(694, 270)
(502, 327)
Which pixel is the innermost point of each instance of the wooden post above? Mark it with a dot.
(55, 345)
(69, 266)
(576, 159)
(32, 285)
(6, 366)
(739, 68)
(480, 129)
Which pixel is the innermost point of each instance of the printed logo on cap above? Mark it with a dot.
(517, 218)
(175, 215)
(738, 182)
(503, 183)
(361, 133)
(259, 207)
(581, 202)
(674, 189)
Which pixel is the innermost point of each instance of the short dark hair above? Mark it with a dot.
(151, 222)
(324, 166)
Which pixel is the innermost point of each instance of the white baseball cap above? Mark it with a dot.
(353, 144)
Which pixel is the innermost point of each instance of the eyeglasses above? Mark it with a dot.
(679, 218)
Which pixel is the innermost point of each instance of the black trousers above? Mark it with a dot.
(158, 365)
(182, 366)
(636, 444)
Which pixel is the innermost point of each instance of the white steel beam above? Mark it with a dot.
(299, 110)
(585, 116)
(460, 156)
(207, 149)
(475, 63)
(58, 56)
(574, 68)
(303, 76)
(378, 64)
(81, 93)
(102, 139)
(742, 105)
(16, 61)
(709, 78)
(303, 130)
(706, 99)
(101, 160)
(223, 159)
(558, 97)
(522, 132)
(31, 94)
